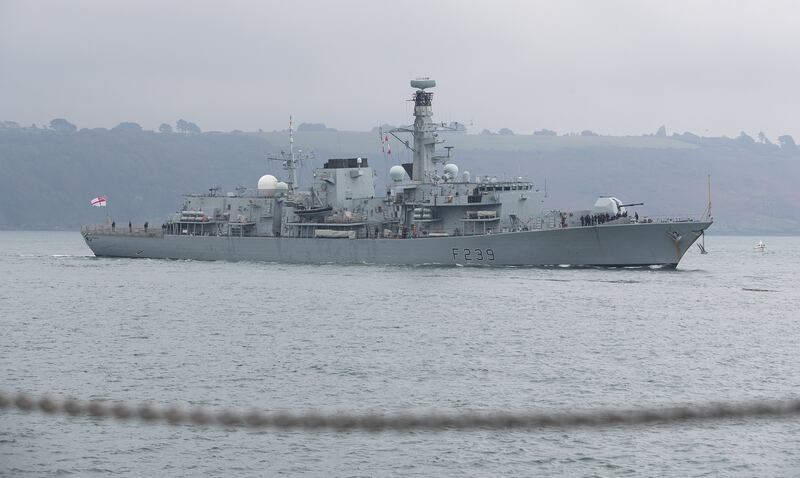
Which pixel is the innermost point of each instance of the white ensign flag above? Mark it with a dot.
(99, 201)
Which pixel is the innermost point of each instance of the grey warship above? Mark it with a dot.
(430, 213)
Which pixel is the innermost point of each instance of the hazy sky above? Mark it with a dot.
(615, 67)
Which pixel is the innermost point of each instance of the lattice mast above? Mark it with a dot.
(291, 160)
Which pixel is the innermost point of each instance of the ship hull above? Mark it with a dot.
(661, 244)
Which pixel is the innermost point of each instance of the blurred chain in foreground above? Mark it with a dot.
(400, 422)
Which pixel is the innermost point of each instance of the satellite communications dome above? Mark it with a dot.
(397, 173)
(451, 170)
(282, 187)
(268, 184)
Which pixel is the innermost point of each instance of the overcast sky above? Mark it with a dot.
(615, 67)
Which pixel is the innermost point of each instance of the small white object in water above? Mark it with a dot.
(760, 246)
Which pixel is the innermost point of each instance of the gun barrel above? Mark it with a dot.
(632, 204)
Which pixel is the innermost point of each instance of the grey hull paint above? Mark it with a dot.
(605, 245)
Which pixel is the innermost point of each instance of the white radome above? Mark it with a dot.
(397, 173)
(450, 170)
(282, 187)
(268, 184)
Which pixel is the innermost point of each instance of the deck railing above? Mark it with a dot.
(673, 218)
(106, 230)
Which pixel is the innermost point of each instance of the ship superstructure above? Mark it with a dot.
(430, 213)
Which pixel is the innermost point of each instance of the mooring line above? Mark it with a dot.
(174, 415)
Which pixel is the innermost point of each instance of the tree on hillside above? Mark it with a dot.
(187, 127)
(787, 143)
(545, 132)
(762, 138)
(662, 131)
(505, 131)
(587, 132)
(127, 127)
(745, 138)
(689, 137)
(165, 128)
(314, 127)
(9, 125)
(486, 131)
(62, 126)
(194, 129)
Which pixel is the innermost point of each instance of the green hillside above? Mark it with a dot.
(344, 141)
(49, 176)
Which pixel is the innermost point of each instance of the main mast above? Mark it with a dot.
(424, 131)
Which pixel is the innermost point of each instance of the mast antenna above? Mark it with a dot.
(291, 161)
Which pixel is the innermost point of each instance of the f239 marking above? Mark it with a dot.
(473, 254)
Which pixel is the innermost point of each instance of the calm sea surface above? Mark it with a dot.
(723, 327)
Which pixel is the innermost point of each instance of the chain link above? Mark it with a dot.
(401, 422)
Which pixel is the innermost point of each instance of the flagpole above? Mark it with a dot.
(102, 201)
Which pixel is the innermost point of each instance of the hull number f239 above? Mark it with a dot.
(473, 254)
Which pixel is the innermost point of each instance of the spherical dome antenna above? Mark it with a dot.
(268, 184)
(397, 173)
(281, 187)
(450, 170)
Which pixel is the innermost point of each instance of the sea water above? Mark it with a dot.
(722, 327)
